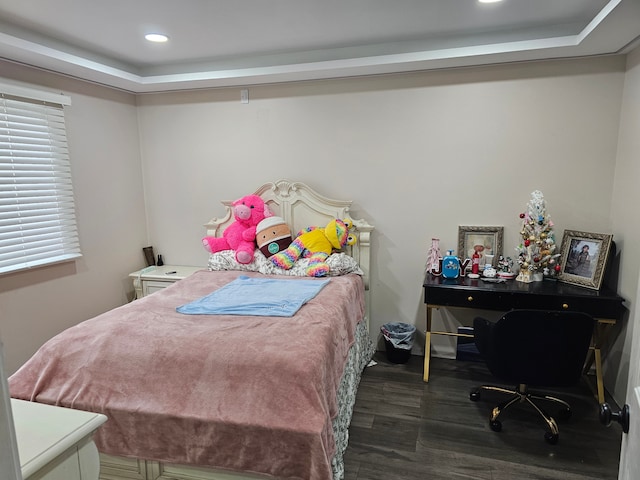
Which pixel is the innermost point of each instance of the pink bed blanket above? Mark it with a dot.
(251, 394)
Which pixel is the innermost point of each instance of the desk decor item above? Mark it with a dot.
(480, 241)
(434, 257)
(536, 252)
(505, 268)
(475, 263)
(584, 257)
(489, 271)
(450, 265)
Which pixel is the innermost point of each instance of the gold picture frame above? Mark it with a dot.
(487, 240)
(583, 258)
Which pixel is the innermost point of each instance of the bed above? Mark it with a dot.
(206, 396)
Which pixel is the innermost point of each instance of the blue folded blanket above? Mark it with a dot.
(256, 296)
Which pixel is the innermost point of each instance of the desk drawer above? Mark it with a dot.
(594, 307)
(467, 299)
(539, 296)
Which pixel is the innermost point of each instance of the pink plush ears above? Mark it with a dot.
(267, 213)
(244, 205)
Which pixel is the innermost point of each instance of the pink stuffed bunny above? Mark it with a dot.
(240, 235)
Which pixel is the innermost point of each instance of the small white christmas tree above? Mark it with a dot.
(536, 252)
(433, 257)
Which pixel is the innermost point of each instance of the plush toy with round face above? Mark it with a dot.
(316, 244)
(273, 236)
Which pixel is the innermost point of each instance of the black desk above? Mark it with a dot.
(604, 305)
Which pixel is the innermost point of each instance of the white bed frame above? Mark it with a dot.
(300, 206)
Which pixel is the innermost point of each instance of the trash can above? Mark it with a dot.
(398, 340)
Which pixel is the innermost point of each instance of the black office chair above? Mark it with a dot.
(533, 347)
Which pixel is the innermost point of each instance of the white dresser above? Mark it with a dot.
(55, 443)
(152, 279)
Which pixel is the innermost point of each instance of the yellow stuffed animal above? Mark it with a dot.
(317, 244)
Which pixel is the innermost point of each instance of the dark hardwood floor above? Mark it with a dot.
(403, 428)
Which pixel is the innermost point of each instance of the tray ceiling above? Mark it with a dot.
(216, 43)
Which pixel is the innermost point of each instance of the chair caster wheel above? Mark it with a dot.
(474, 395)
(564, 414)
(551, 438)
(496, 425)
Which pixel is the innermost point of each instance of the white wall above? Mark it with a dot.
(103, 140)
(418, 153)
(624, 214)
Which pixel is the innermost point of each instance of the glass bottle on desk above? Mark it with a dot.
(450, 265)
(475, 262)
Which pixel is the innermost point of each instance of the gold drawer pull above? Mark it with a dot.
(565, 306)
(470, 298)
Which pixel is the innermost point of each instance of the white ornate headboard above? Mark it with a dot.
(301, 206)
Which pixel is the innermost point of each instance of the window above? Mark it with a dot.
(37, 211)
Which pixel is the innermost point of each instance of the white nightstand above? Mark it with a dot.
(152, 279)
(55, 443)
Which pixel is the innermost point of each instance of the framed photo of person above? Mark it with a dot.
(486, 241)
(583, 258)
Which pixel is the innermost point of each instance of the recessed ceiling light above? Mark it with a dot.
(489, 1)
(156, 37)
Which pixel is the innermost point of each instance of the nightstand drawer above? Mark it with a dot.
(150, 286)
(152, 279)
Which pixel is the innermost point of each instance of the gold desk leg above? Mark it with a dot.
(594, 357)
(599, 381)
(590, 356)
(427, 346)
(603, 329)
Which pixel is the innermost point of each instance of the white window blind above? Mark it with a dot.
(37, 211)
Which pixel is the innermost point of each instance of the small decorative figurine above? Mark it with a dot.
(489, 271)
(475, 262)
(505, 267)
